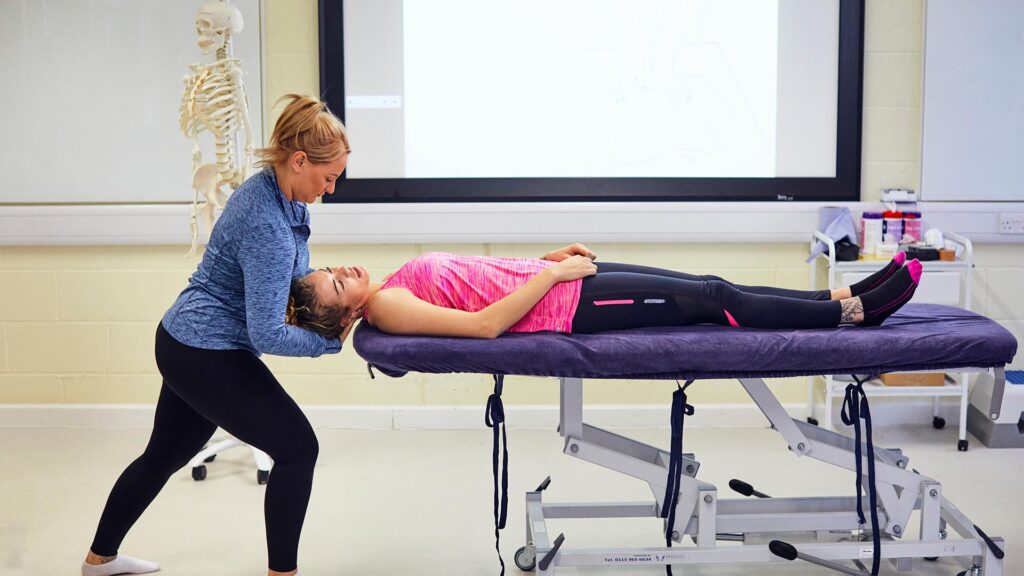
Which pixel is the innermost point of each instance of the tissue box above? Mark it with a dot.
(914, 379)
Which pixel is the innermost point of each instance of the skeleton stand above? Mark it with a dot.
(214, 100)
(706, 519)
(198, 462)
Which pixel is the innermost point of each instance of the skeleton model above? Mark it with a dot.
(214, 100)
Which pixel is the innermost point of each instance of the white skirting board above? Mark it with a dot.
(884, 412)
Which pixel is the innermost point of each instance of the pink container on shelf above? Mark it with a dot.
(912, 225)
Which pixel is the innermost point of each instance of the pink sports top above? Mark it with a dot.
(472, 283)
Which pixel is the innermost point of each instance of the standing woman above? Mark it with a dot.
(209, 342)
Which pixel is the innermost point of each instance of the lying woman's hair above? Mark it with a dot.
(305, 312)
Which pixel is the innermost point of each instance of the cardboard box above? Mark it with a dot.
(914, 379)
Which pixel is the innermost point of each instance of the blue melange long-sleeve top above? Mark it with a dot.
(237, 297)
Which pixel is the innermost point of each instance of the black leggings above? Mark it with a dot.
(233, 389)
(624, 296)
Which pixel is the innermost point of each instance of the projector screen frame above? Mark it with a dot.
(844, 186)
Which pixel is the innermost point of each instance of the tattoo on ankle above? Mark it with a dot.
(851, 308)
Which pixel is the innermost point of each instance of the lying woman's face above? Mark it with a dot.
(344, 287)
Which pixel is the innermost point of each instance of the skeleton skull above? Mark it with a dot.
(215, 23)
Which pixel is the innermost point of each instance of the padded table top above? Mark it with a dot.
(918, 337)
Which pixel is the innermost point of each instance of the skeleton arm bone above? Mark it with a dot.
(248, 133)
(243, 102)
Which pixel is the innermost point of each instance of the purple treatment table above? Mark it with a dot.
(919, 337)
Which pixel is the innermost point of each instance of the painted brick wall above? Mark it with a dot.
(77, 323)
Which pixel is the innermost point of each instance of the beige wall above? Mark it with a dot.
(76, 323)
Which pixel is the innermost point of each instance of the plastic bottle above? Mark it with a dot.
(870, 231)
(912, 225)
(892, 226)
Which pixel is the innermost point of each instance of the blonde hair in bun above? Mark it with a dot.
(307, 125)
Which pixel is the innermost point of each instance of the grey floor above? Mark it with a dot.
(419, 502)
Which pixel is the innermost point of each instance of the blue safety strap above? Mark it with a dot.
(495, 418)
(855, 408)
(680, 410)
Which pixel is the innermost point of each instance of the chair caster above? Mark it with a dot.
(210, 458)
(812, 421)
(526, 558)
(262, 476)
(931, 558)
(938, 423)
(961, 445)
(199, 473)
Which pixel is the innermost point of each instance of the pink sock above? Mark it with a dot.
(915, 269)
(885, 300)
(879, 278)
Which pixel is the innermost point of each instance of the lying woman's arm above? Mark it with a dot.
(398, 311)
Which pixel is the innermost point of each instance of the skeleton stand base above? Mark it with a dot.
(706, 519)
(198, 463)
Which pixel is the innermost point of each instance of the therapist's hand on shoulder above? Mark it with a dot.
(576, 249)
(573, 268)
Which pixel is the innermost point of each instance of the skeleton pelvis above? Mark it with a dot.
(206, 180)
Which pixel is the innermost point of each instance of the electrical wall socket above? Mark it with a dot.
(1011, 223)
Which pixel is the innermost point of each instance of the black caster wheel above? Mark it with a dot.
(526, 559)
(938, 423)
(961, 445)
(262, 476)
(199, 473)
(931, 558)
(812, 421)
(209, 459)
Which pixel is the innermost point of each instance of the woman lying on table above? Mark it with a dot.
(439, 294)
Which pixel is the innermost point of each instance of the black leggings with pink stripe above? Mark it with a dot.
(624, 296)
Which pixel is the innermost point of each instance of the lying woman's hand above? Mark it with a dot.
(573, 250)
(573, 268)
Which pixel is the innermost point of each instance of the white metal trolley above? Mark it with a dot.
(942, 283)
